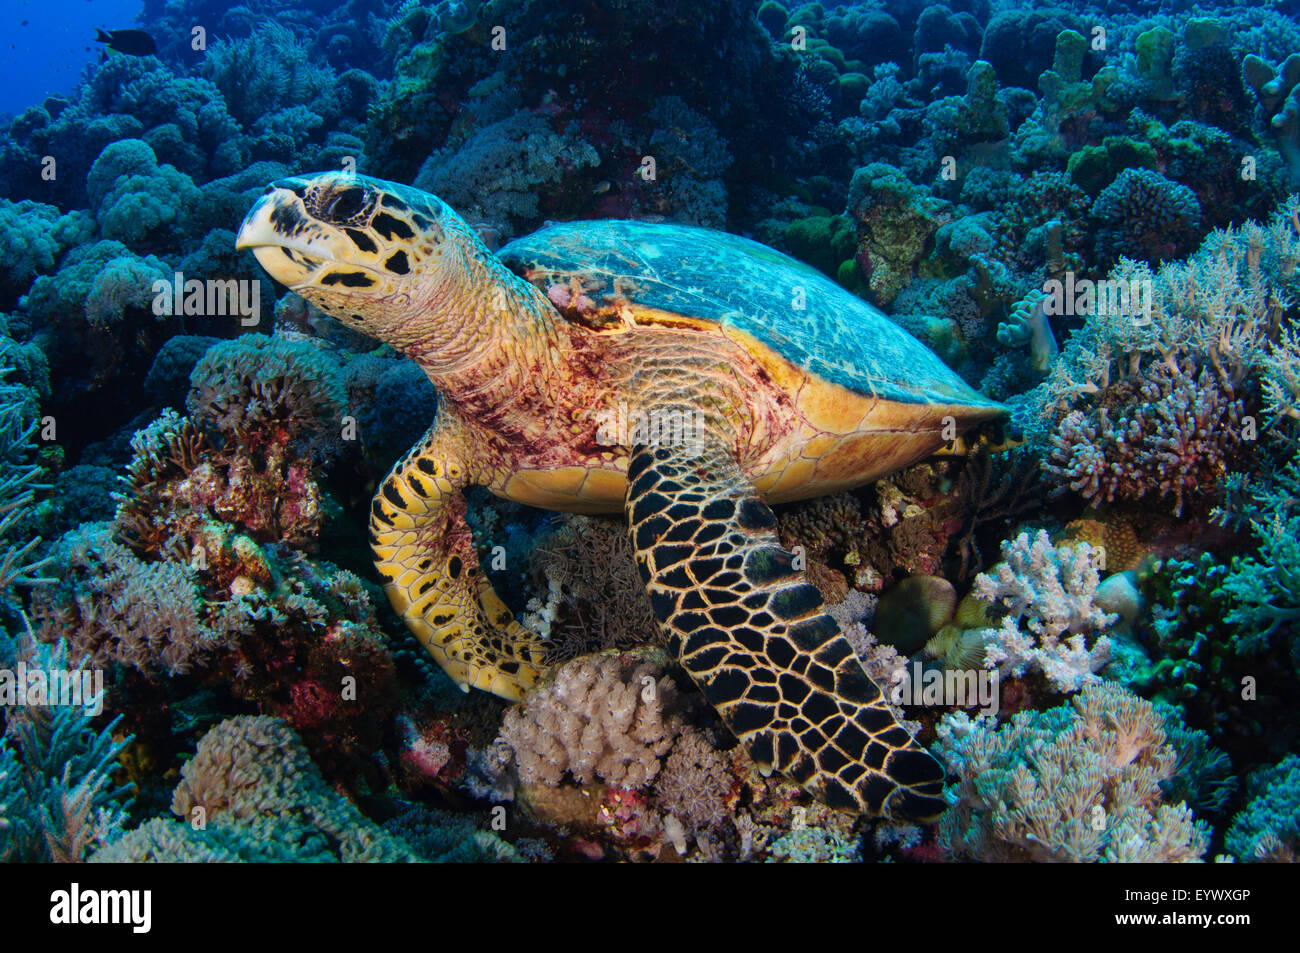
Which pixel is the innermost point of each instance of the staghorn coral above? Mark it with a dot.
(251, 792)
(58, 797)
(1179, 356)
(1078, 783)
(1179, 437)
(608, 717)
(1052, 622)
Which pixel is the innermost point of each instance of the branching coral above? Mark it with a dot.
(1232, 681)
(58, 799)
(1078, 783)
(1157, 395)
(1052, 590)
(19, 482)
(1180, 437)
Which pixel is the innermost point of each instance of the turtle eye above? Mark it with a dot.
(345, 205)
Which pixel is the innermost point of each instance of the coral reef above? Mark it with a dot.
(1093, 228)
(604, 717)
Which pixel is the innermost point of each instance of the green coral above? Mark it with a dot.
(823, 241)
(1268, 827)
(1095, 167)
(1266, 586)
(58, 798)
(1226, 678)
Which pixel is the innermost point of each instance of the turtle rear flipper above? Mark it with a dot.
(424, 552)
(754, 636)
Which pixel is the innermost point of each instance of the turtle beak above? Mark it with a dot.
(287, 242)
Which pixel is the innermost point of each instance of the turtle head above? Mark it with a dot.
(383, 258)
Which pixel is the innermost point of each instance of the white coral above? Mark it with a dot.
(601, 717)
(1049, 593)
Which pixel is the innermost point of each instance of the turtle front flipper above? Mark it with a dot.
(753, 635)
(424, 552)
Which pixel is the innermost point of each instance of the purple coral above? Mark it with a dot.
(1179, 438)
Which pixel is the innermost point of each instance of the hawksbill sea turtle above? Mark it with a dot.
(683, 376)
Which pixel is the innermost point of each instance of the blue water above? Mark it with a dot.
(45, 45)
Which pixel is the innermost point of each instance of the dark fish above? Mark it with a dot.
(134, 42)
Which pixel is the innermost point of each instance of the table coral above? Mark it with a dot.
(1078, 783)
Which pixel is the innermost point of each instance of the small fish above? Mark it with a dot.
(134, 42)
